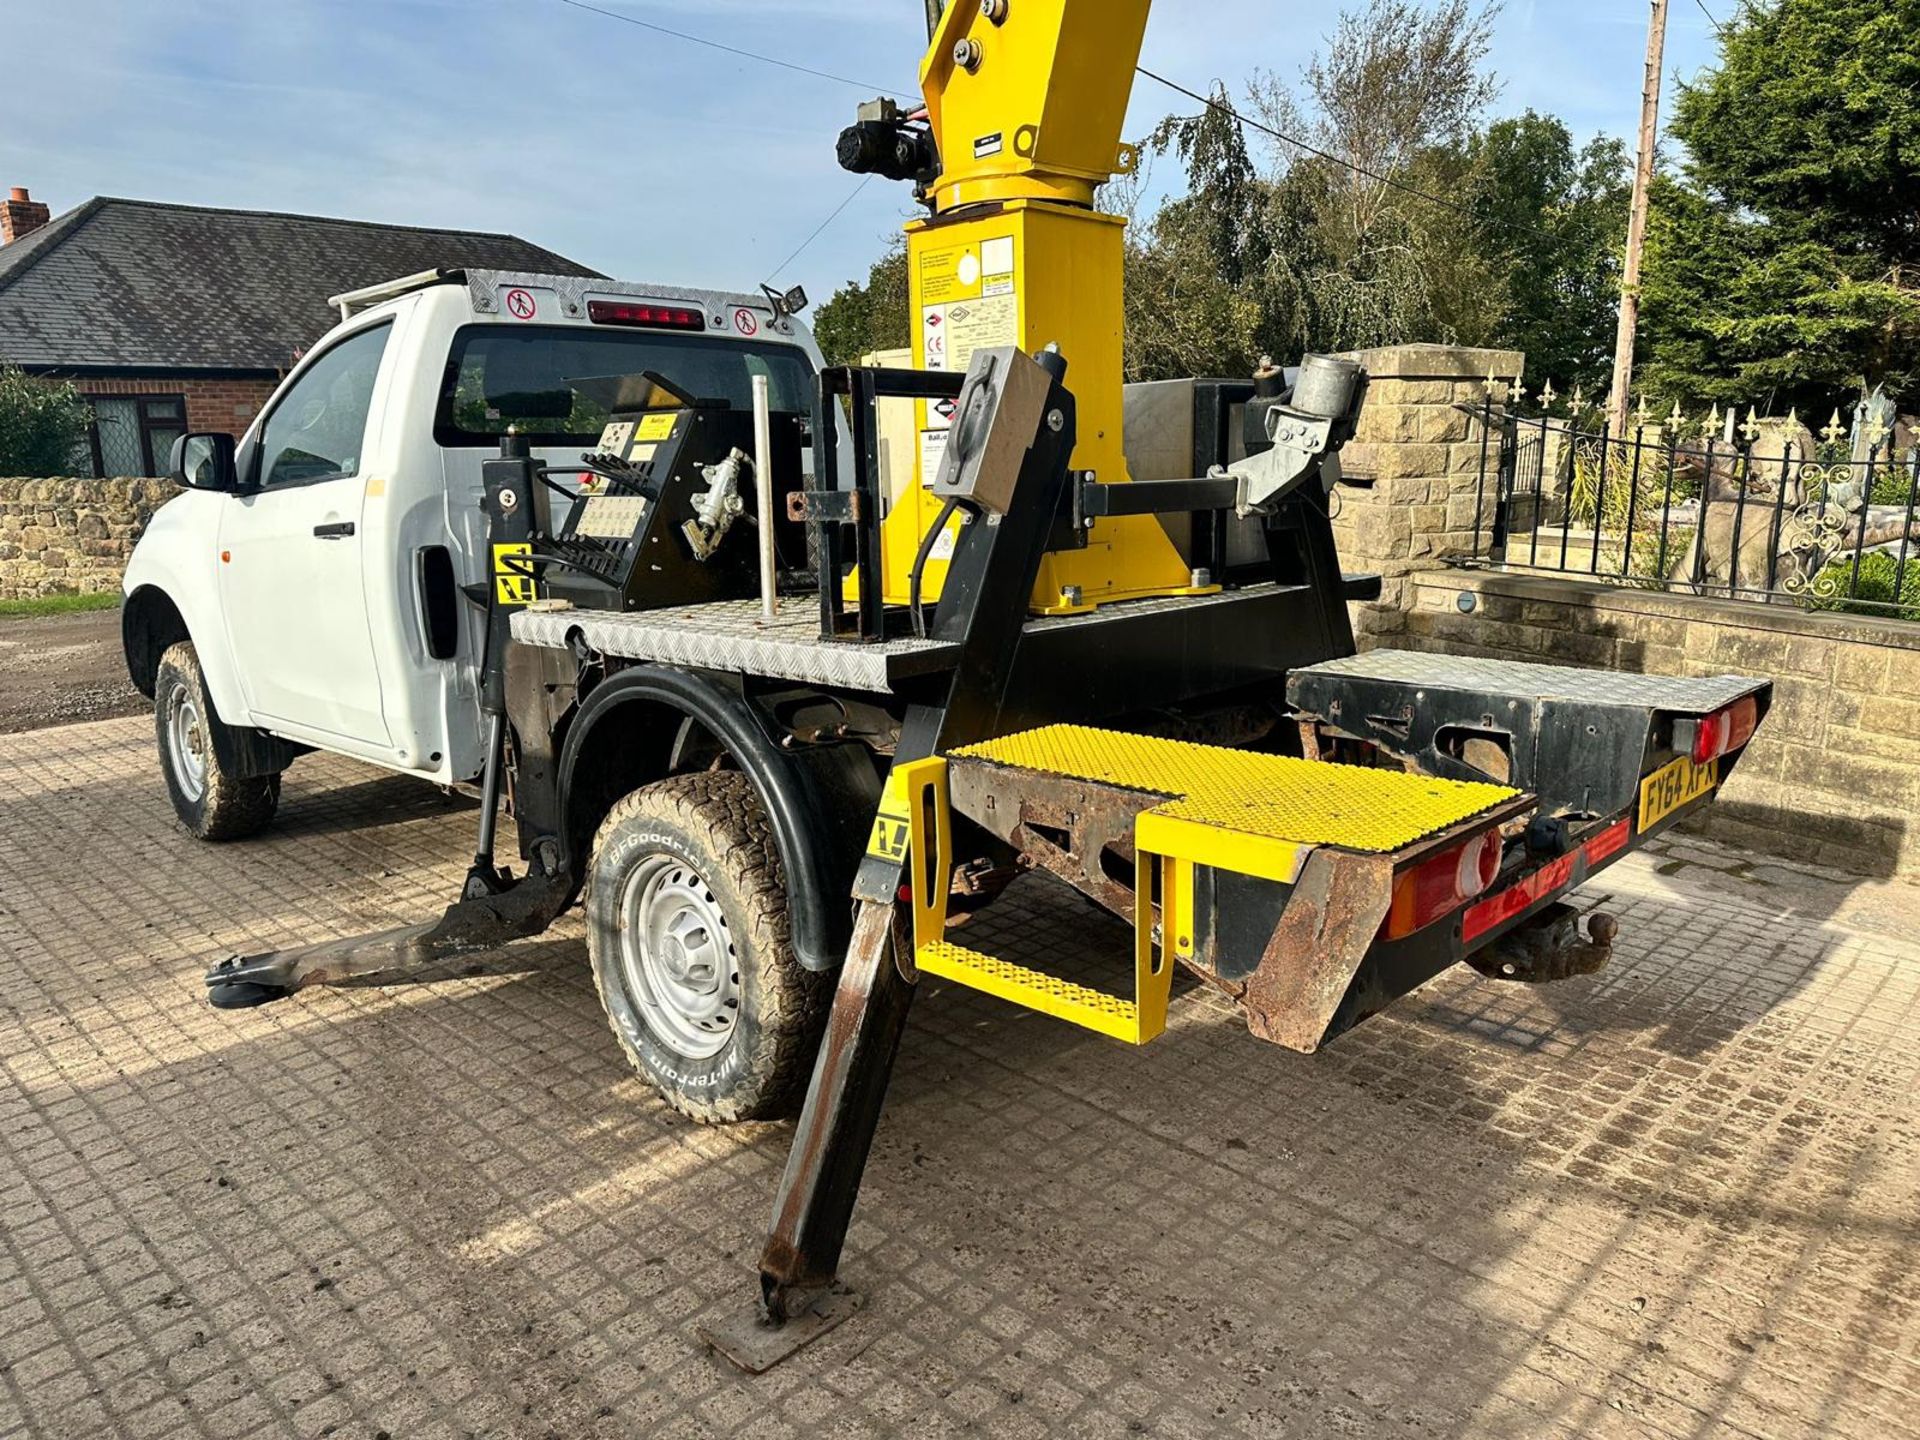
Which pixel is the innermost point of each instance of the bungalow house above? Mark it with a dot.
(171, 318)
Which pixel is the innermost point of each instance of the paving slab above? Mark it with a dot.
(1679, 1198)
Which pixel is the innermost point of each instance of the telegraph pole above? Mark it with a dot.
(1637, 221)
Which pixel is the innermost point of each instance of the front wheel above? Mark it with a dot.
(688, 930)
(212, 802)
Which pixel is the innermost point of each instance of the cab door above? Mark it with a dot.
(292, 560)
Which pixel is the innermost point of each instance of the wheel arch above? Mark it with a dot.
(819, 799)
(150, 623)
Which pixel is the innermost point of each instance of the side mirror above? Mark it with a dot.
(204, 462)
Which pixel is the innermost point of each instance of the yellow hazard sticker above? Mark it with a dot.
(513, 574)
(657, 426)
(889, 839)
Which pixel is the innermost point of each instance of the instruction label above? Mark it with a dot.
(969, 301)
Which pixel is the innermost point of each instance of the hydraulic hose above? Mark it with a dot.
(927, 543)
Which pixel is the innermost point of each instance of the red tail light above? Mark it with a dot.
(1723, 731)
(655, 317)
(1442, 883)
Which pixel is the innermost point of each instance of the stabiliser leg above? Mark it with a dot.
(800, 1299)
(981, 610)
(493, 907)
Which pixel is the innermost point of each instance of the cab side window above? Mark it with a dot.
(319, 428)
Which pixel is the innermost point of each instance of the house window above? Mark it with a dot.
(134, 434)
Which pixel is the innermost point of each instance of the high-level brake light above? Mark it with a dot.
(653, 317)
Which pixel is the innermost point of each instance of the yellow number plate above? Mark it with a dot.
(1675, 785)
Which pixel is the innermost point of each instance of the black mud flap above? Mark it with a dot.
(1580, 740)
(469, 926)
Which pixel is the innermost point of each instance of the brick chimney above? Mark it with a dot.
(21, 214)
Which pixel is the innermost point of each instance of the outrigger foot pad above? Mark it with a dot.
(478, 923)
(241, 994)
(756, 1343)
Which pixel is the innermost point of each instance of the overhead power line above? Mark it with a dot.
(1389, 181)
(1299, 144)
(819, 230)
(735, 50)
(1719, 29)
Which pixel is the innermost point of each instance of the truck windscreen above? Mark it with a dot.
(525, 376)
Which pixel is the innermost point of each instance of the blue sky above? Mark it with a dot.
(640, 155)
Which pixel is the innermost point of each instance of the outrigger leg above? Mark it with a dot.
(1013, 492)
(493, 908)
(800, 1298)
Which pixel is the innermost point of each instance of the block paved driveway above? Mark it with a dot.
(1675, 1199)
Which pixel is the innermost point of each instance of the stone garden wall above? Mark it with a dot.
(72, 537)
(1834, 775)
(1414, 493)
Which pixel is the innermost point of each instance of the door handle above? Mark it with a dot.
(340, 530)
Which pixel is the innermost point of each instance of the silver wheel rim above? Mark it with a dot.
(678, 958)
(186, 742)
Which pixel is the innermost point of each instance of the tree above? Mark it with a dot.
(1811, 120)
(1555, 215)
(42, 424)
(1390, 106)
(1190, 306)
(1327, 247)
(1783, 261)
(858, 319)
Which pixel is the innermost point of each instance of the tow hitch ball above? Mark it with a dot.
(1550, 948)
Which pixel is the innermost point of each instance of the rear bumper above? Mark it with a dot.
(1312, 960)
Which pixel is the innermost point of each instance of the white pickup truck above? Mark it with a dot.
(305, 593)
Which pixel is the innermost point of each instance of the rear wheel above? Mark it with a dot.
(692, 953)
(212, 802)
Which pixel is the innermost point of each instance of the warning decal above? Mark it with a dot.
(513, 574)
(657, 426)
(520, 304)
(889, 838)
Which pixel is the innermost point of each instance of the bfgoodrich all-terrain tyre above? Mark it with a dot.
(688, 929)
(211, 801)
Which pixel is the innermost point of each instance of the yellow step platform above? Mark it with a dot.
(1033, 990)
(1256, 814)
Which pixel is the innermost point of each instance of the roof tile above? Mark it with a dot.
(138, 284)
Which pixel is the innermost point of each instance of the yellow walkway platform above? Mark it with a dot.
(1255, 814)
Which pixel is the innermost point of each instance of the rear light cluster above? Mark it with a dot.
(1442, 883)
(1720, 733)
(655, 317)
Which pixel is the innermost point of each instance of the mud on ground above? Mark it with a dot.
(60, 669)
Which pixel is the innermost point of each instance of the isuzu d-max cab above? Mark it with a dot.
(305, 592)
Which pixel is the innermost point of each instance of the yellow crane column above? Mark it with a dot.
(1026, 100)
